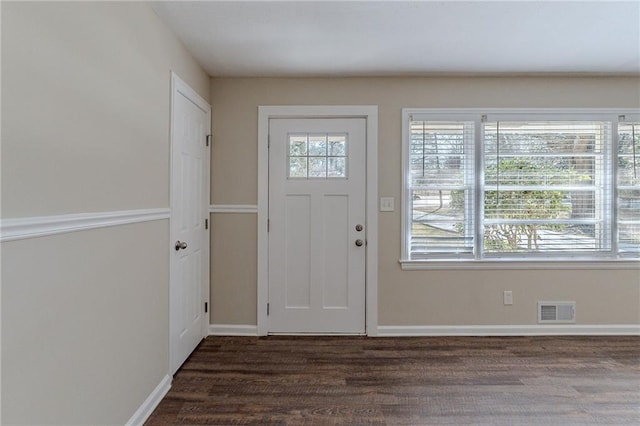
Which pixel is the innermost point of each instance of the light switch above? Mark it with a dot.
(387, 204)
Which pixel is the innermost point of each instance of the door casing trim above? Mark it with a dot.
(370, 114)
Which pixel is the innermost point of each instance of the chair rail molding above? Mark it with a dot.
(40, 226)
(233, 208)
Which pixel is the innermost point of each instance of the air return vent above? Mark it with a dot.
(557, 312)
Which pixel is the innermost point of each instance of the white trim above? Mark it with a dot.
(428, 265)
(40, 226)
(263, 214)
(509, 330)
(144, 411)
(372, 222)
(233, 330)
(442, 113)
(370, 113)
(180, 86)
(404, 165)
(233, 208)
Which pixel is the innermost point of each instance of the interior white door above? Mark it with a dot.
(317, 229)
(190, 117)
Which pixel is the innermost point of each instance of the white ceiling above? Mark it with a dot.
(384, 38)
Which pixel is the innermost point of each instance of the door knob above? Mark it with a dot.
(180, 245)
(359, 243)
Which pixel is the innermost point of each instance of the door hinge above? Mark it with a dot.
(206, 224)
(267, 309)
(206, 307)
(208, 140)
(268, 224)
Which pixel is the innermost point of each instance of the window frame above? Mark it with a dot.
(478, 260)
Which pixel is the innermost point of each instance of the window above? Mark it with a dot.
(317, 156)
(441, 187)
(528, 185)
(628, 186)
(545, 187)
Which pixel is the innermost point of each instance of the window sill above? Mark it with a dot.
(420, 265)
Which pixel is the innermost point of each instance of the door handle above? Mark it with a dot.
(359, 242)
(180, 245)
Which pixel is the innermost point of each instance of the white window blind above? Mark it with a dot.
(520, 184)
(628, 202)
(441, 187)
(545, 187)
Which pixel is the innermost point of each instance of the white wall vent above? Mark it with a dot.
(556, 312)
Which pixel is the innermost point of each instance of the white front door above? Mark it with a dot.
(317, 229)
(190, 118)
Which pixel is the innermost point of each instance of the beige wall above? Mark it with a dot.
(408, 297)
(85, 128)
(233, 263)
(85, 93)
(85, 323)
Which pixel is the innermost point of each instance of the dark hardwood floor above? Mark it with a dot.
(407, 381)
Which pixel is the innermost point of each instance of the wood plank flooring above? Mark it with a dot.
(407, 381)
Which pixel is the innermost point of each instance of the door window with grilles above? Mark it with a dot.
(317, 156)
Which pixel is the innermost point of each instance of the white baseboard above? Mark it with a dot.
(465, 330)
(150, 404)
(510, 330)
(233, 330)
